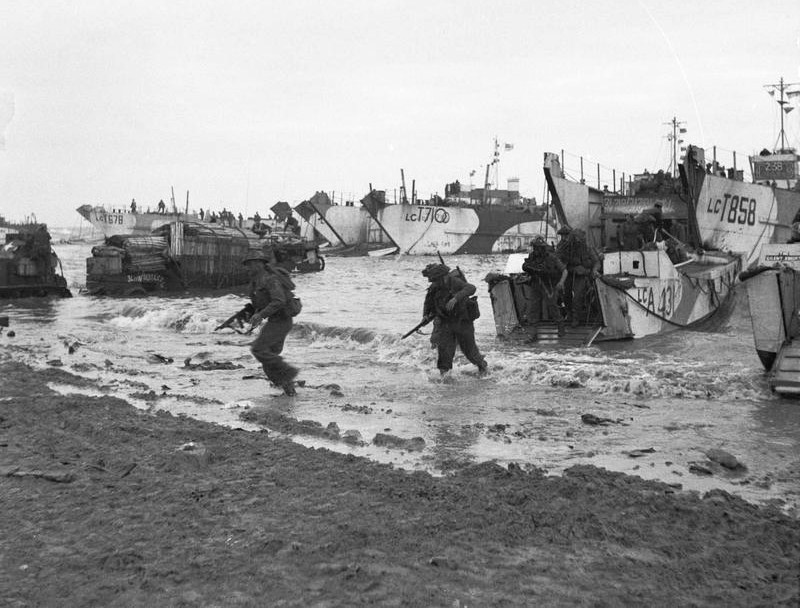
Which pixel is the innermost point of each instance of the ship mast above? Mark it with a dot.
(492, 172)
(782, 88)
(674, 139)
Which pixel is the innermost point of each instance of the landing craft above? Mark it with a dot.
(140, 220)
(28, 264)
(118, 220)
(348, 227)
(466, 220)
(190, 255)
(668, 279)
(773, 295)
(738, 215)
(773, 281)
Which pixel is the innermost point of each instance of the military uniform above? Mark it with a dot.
(629, 236)
(547, 273)
(270, 292)
(647, 226)
(453, 327)
(581, 262)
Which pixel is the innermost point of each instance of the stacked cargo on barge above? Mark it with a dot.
(189, 255)
(28, 263)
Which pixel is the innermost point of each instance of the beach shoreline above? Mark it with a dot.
(106, 504)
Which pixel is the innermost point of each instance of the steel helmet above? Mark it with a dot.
(435, 271)
(256, 255)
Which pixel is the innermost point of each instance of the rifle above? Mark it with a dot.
(237, 317)
(419, 325)
(441, 261)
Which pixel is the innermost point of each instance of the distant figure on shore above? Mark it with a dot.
(162, 208)
(201, 214)
(241, 219)
(133, 205)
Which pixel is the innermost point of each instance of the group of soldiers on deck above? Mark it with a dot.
(558, 276)
(558, 280)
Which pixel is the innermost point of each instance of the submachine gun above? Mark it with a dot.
(239, 318)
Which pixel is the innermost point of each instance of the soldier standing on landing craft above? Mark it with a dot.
(548, 274)
(583, 265)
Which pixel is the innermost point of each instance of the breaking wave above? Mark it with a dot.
(641, 376)
(315, 331)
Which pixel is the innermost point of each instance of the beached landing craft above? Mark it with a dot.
(773, 295)
(665, 281)
(28, 263)
(476, 220)
(738, 215)
(186, 255)
(111, 221)
(641, 292)
(349, 228)
(773, 282)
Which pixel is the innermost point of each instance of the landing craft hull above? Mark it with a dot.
(733, 215)
(28, 263)
(343, 225)
(726, 214)
(112, 222)
(314, 225)
(773, 295)
(594, 211)
(190, 255)
(428, 229)
(641, 293)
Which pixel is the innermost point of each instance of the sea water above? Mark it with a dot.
(667, 399)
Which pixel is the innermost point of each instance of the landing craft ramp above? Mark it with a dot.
(785, 375)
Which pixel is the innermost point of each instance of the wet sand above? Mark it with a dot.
(106, 504)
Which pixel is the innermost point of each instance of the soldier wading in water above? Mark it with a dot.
(447, 304)
(272, 299)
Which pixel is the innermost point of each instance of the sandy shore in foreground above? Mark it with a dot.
(104, 504)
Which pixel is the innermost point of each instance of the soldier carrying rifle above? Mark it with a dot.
(272, 298)
(447, 303)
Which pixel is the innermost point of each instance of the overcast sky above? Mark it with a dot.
(245, 103)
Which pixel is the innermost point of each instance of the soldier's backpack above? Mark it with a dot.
(294, 305)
